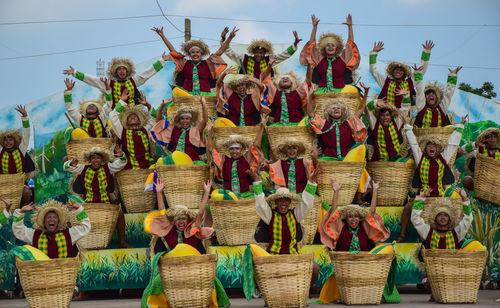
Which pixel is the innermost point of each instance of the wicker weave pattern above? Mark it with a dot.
(131, 185)
(350, 99)
(235, 221)
(192, 101)
(284, 280)
(223, 133)
(184, 184)
(48, 283)
(188, 281)
(12, 189)
(440, 134)
(486, 179)
(276, 134)
(103, 217)
(397, 177)
(361, 277)
(76, 147)
(348, 174)
(310, 223)
(454, 275)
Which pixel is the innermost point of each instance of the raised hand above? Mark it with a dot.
(380, 102)
(207, 186)
(462, 193)
(158, 31)
(159, 184)
(224, 33)
(69, 84)
(424, 193)
(464, 120)
(254, 174)
(316, 152)
(210, 125)
(335, 185)
(315, 20)
(376, 185)
(378, 46)
(297, 39)
(125, 95)
(73, 162)
(118, 150)
(165, 56)
(233, 33)
(144, 102)
(400, 92)
(272, 60)
(314, 174)
(107, 83)
(73, 205)
(365, 87)
(202, 99)
(348, 21)
(6, 202)
(27, 208)
(415, 68)
(70, 71)
(456, 70)
(263, 119)
(428, 45)
(22, 110)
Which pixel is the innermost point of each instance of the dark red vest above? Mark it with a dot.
(391, 151)
(448, 177)
(242, 166)
(12, 163)
(286, 234)
(189, 148)
(328, 140)
(91, 129)
(345, 238)
(95, 184)
(203, 76)
(338, 68)
(250, 112)
(442, 240)
(171, 239)
(300, 173)
(140, 149)
(294, 103)
(436, 113)
(137, 94)
(51, 243)
(397, 98)
(256, 67)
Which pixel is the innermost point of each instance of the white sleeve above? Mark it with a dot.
(235, 57)
(83, 228)
(418, 222)
(117, 164)
(74, 170)
(453, 142)
(92, 81)
(420, 94)
(23, 147)
(464, 224)
(370, 116)
(306, 204)
(115, 119)
(21, 232)
(106, 109)
(285, 54)
(402, 112)
(412, 140)
(74, 112)
(148, 73)
(261, 206)
(448, 93)
(379, 78)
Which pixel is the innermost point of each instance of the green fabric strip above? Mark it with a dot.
(373, 59)
(467, 209)
(79, 75)
(391, 294)
(459, 129)
(157, 66)
(452, 80)
(418, 205)
(425, 56)
(108, 96)
(247, 271)
(310, 189)
(325, 205)
(406, 100)
(203, 93)
(222, 298)
(67, 98)
(257, 188)
(3, 219)
(290, 50)
(26, 124)
(325, 90)
(82, 215)
(119, 108)
(370, 105)
(469, 148)
(18, 219)
(418, 76)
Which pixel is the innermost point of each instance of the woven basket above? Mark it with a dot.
(12, 189)
(184, 183)
(349, 98)
(103, 217)
(439, 134)
(275, 135)
(192, 101)
(235, 221)
(397, 177)
(361, 277)
(486, 179)
(310, 223)
(223, 133)
(454, 275)
(188, 281)
(76, 147)
(131, 185)
(284, 280)
(48, 283)
(348, 174)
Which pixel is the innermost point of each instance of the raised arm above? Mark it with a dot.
(92, 81)
(68, 102)
(451, 84)
(169, 45)
(307, 201)
(426, 55)
(287, 53)
(230, 53)
(159, 186)
(81, 229)
(23, 147)
(454, 140)
(262, 208)
(120, 162)
(416, 218)
(207, 186)
(412, 140)
(225, 44)
(263, 123)
(108, 100)
(362, 104)
(310, 107)
(465, 223)
(73, 166)
(315, 22)
(204, 117)
(267, 72)
(309, 73)
(114, 115)
(419, 87)
(379, 78)
(159, 113)
(210, 147)
(21, 232)
(335, 198)
(348, 22)
(375, 187)
(141, 78)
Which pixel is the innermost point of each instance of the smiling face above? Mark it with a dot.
(385, 117)
(133, 121)
(241, 89)
(336, 112)
(283, 204)
(352, 221)
(431, 98)
(398, 73)
(330, 50)
(491, 141)
(285, 83)
(442, 220)
(259, 54)
(292, 151)
(235, 152)
(96, 161)
(181, 222)
(91, 112)
(431, 150)
(195, 54)
(121, 73)
(185, 121)
(9, 143)
(51, 222)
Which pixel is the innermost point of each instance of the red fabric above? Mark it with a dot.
(345, 239)
(338, 68)
(436, 113)
(481, 150)
(391, 151)
(123, 88)
(295, 112)
(433, 174)
(235, 107)
(203, 76)
(189, 148)
(442, 240)
(242, 166)
(51, 243)
(91, 129)
(329, 143)
(286, 236)
(300, 173)
(12, 162)
(256, 66)
(171, 239)
(95, 184)
(140, 150)
(397, 98)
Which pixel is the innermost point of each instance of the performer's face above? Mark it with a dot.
(491, 141)
(122, 73)
(431, 150)
(96, 161)
(336, 113)
(283, 204)
(185, 121)
(398, 73)
(285, 83)
(385, 118)
(195, 54)
(51, 221)
(259, 54)
(92, 112)
(431, 98)
(353, 221)
(133, 121)
(292, 152)
(241, 89)
(181, 222)
(330, 49)
(442, 219)
(9, 143)
(235, 152)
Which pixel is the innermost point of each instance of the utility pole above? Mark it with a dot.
(187, 29)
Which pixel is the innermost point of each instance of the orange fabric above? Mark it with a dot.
(330, 290)
(330, 228)
(375, 228)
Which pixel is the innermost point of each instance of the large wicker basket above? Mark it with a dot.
(76, 147)
(361, 277)
(223, 133)
(348, 174)
(131, 185)
(310, 223)
(184, 183)
(397, 177)
(12, 189)
(276, 134)
(192, 101)
(103, 218)
(486, 179)
(284, 280)
(454, 275)
(188, 281)
(48, 283)
(441, 134)
(351, 100)
(235, 221)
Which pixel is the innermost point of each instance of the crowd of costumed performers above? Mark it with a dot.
(288, 161)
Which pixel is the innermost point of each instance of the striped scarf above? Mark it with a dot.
(181, 143)
(62, 249)
(484, 153)
(196, 79)
(329, 75)
(97, 126)
(354, 246)
(103, 185)
(235, 180)
(382, 147)
(450, 241)
(277, 235)
(424, 174)
(292, 183)
(242, 109)
(251, 64)
(16, 155)
(117, 91)
(179, 237)
(427, 120)
(391, 96)
(284, 117)
(335, 124)
(131, 147)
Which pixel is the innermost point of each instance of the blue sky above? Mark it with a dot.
(28, 79)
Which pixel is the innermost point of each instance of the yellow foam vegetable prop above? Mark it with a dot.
(383, 248)
(223, 194)
(182, 250)
(475, 245)
(356, 154)
(181, 158)
(79, 133)
(178, 92)
(257, 251)
(223, 122)
(350, 89)
(302, 122)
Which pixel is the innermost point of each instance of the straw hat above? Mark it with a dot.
(195, 115)
(13, 133)
(238, 80)
(244, 142)
(392, 109)
(99, 103)
(179, 210)
(283, 192)
(422, 143)
(116, 63)
(283, 146)
(336, 103)
(395, 64)
(106, 155)
(436, 88)
(352, 210)
(264, 44)
(138, 110)
(330, 37)
(485, 133)
(195, 43)
(442, 205)
(293, 78)
(51, 206)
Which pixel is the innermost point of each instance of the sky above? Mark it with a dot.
(27, 79)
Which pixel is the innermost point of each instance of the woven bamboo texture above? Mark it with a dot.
(48, 283)
(131, 185)
(361, 277)
(223, 133)
(192, 101)
(397, 177)
(188, 281)
(454, 275)
(348, 174)
(184, 183)
(235, 221)
(310, 223)
(276, 134)
(440, 134)
(12, 189)
(349, 98)
(103, 218)
(76, 147)
(284, 280)
(486, 179)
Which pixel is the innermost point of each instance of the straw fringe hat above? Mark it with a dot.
(352, 210)
(392, 109)
(195, 43)
(485, 133)
(442, 205)
(51, 206)
(395, 64)
(116, 63)
(238, 80)
(179, 210)
(244, 142)
(195, 115)
(436, 88)
(13, 133)
(293, 78)
(330, 37)
(262, 43)
(283, 192)
(99, 103)
(422, 143)
(138, 110)
(105, 154)
(336, 103)
(283, 146)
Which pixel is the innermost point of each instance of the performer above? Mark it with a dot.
(332, 61)
(398, 75)
(51, 233)
(195, 75)
(185, 133)
(432, 104)
(5, 214)
(260, 53)
(92, 114)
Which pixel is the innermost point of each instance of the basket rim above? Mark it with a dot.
(362, 256)
(101, 205)
(202, 258)
(208, 99)
(46, 262)
(433, 130)
(284, 258)
(488, 159)
(454, 253)
(335, 94)
(398, 164)
(91, 140)
(240, 202)
(168, 167)
(344, 163)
